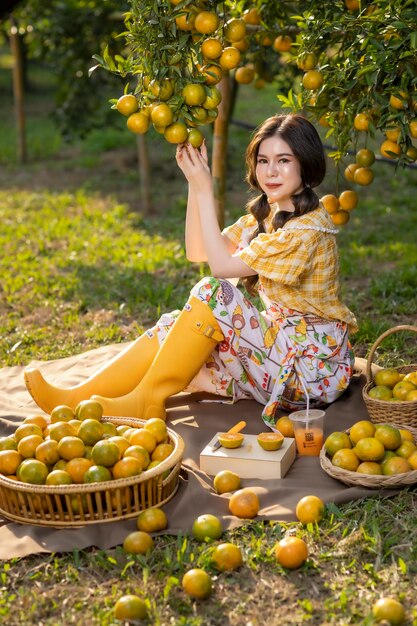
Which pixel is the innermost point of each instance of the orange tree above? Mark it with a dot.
(350, 65)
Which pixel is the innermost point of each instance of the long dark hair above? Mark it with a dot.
(306, 145)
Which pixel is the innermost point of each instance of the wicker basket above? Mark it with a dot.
(368, 480)
(401, 413)
(79, 505)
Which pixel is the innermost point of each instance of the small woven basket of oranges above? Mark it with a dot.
(81, 504)
(397, 409)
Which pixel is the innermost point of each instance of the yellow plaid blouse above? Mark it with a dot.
(298, 265)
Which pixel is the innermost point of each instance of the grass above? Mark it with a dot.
(81, 264)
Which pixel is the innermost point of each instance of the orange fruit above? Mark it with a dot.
(398, 101)
(244, 503)
(226, 481)
(350, 171)
(231, 440)
(389, 436)
(90, 431)
(162, 115)
(352, 5)
(138, 542)
(61, 429)
(27, 446)
(388, 610)
(197, 584)
(411, 396)
(206, 527)
(109, 429)
(194, 94)
(336, 441)
(369, 449)
(348, 200)
(401, 389)
(346, 458)
(227, 556)
(388, 147)
(309, 509)
(370, 467)
(411, 377)
(393, 133)
(9, 461)
(121, 442)
(27, 429)
(162, 451)
(405, 449)
(412, 126)
(89, 410)
(245, 74)
(105, 453)
(229, 58)
(363, 428)
(199, 116)
(138, 123)
(251, 16)
(270, 441)
(140, 453)
(312, 79)
(70, 448)
(195, 138)
(330, 203)
(285, 426)
(212, 74)
(127, 467)
(363, 176)
(211, 48)
(291, 552)
(127, 104)
(61, 464)
(242, 45)
(412, 459)
(380, 392)
(33, 471)
(206, 22)
(77, 467)
(130, 608)
(62, 413)
(234, 30)
(340, 217)
(362, 121)
(58, 477)
(186, 20)
(412, 153)
(282, 43)
(8, 443)
(96, 474)
(75, 424)
(143, 438)
(388, 376)
(162, 90)
(365, 157)
(40, 420)
(152, 520)
(121, 429)
(406, 435)
(396, 465)
(158, 428)
(307, 61)
(176, 133)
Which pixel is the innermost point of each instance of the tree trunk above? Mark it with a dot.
(144, 175)
(219, 159)
(18, 91)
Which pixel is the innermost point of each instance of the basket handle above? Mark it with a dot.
(388, 332)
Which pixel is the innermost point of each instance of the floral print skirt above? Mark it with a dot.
(273, 356)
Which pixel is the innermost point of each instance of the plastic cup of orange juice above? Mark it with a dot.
(308, 431)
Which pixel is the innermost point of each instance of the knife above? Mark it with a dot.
(235, 429)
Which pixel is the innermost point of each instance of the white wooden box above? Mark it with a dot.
(249, 460)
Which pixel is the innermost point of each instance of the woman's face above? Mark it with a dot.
(278, 172)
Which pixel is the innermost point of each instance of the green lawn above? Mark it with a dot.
(82, 264)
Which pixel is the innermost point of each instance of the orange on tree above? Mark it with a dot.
(162, 115)
(251, 16)
(9, 461)
(309, 509)
(77, 467)
(27, 446)
(130, 608)
(212, 100)
(89, 409)
(348, 200)
(361, 121)
(291, 552)
(307, 61)
(195, 137)
(176, 133)
(226, 481)
(350, 170)
(105, 453)
(212, 74)
(285, 426)
(398, 100)
(363, 176)
(62, 413)
(389, 610)
(282, 43)
(242, 45)
(412, 153)
(352, 5)
(127, 466)
(412, 126)
(234, 30)
(244, 503)
(138, 542)
(207, 527)
(227, 556)
(365, 157)
(330, 203)
(390, 149)
(152, 520)
(138, 123)
(186, 20)
(340, 217)
(194, 94)
(197, 583)
(245, 74)
(162, 90)
(211, 48)
(393, 134)
(127, 104)
(229, 58)
(199, 116)
(206, 22)
(312, 79)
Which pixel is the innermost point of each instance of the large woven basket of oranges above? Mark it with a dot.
(390, 395)
(70, 472)
(372, 455)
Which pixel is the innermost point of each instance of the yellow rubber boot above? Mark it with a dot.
(183, 352)
(117, 377)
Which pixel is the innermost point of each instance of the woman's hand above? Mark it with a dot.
(193, 162)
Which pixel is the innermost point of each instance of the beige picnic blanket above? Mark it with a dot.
(196, 422)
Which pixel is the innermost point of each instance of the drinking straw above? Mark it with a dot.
(307, 398)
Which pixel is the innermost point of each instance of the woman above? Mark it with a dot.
(285, 251)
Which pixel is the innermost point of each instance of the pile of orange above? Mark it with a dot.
(374, 449)
(78, 447)
(390, 384)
